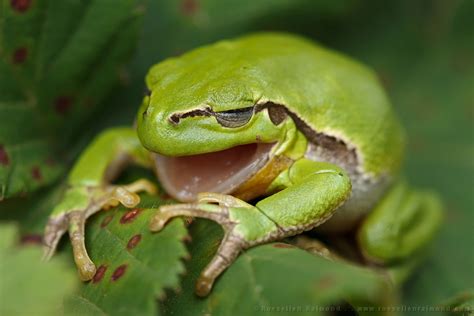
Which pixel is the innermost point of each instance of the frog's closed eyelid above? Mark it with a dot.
(231, 118)
(234, 118)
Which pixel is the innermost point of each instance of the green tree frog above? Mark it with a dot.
(306, 130)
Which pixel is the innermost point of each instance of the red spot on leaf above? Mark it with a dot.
(189, 7)
(282, 245)
(63, 104)
(36, 173)
(31, 239)
(119, 272)
(133, 242)
(4, 159)
(129, 216)
(99, 274)
(106, 221)
(20, 55)
(20, 5)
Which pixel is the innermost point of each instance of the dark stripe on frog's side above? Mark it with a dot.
(366, 190)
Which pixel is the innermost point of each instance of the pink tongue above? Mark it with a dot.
(221, 172)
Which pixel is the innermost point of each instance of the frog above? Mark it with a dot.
(269, 135)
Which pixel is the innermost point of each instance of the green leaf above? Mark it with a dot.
(272, 278)
(29, 286)
(58, 60)
(134, 265)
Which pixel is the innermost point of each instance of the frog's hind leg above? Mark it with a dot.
(398, 229)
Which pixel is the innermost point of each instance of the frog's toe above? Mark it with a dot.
(55, 229)
(74, 223)
(121, 195)
(221, 199)
(142, 185)
(217, 213)
(84, 264)
(229, 249)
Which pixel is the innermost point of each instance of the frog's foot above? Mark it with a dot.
(315, 247)
(78, 204)
(397, 231)
(244, 226)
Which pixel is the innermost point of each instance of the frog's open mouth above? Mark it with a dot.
(220, 172)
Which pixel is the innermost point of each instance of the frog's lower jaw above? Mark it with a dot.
(221, 172)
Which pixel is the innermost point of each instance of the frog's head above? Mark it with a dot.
(208, 127)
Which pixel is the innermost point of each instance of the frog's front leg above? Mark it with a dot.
(311, 193)
(89, 190)
(399, 227)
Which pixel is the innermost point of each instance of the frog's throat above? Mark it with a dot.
(220, 172)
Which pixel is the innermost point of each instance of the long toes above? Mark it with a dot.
(167, 212)
(158, 221)
(142, 185)
(55, 229)
(228, 251)
(203, 286)
(87, 271)
(84, 264)
(127, 198)
(221, 199)
(213, 212)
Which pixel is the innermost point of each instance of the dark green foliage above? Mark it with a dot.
(58, 60)
(22, 289)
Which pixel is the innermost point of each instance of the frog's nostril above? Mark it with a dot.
(145, 113)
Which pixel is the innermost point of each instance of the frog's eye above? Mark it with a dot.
(234, 118)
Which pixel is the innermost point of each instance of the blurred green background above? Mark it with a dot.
(423, 52)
